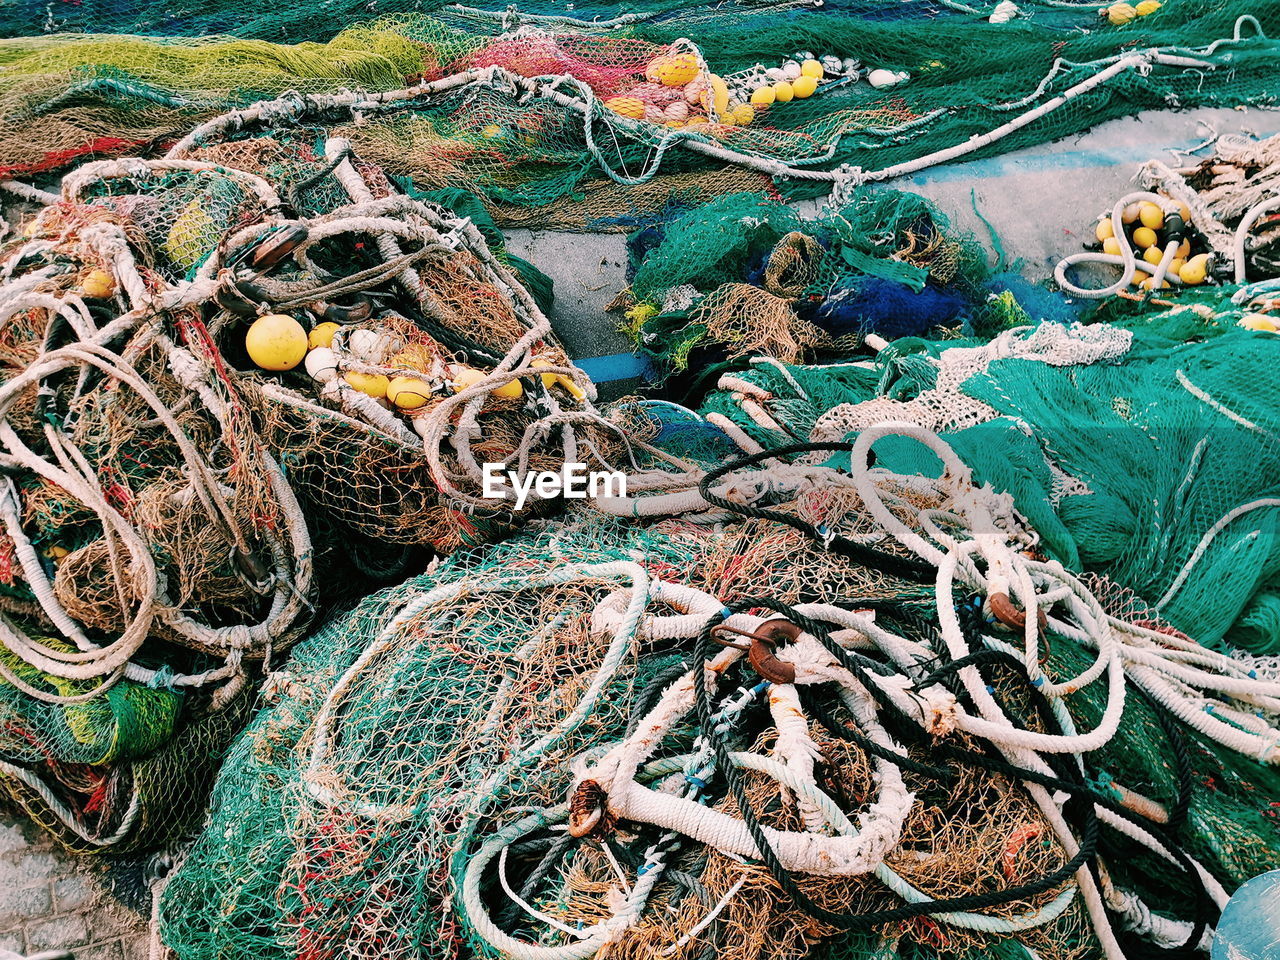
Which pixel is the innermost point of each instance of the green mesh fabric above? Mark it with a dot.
(66, 95)
(1158, 470)
(1168, 445)
(893, 254)
(1232, 827)
(120, 804)
(872, 234)
(401, 736)
(465, 690)
(129, 721)
(800, 394)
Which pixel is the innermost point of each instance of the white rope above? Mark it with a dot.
(1126, 259)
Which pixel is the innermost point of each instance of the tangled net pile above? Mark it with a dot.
(1142, 448)
(746, 276)
(1234, 191)
(921, 739)
(174, 517)
(939, 621)
(591, 119)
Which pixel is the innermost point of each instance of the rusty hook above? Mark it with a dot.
(760, 653)
(766, 663)
(1002, 609)
(275, 247)
(719, 631)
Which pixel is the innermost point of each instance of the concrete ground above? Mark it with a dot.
(1041, 201)
(51, 901)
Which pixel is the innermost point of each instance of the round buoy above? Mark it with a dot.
(372, 384)
(464, 377)
(321, 334)
(1195, 271)
(408, 393)
(718, 94)
(1119, 13)
(276, 342)
(763, 97)
(672, 71)
(97, 285)
(632, 107)
(321, 364)
(804, 87)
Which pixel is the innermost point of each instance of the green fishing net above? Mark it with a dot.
(439, 720)
(747, 274)
(1153, 462)
(68, 95)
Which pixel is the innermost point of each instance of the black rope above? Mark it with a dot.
(296, 188)
(906, 567)
(629, 856)
(1181, 761)
(1084, 795)
(846, 920)
(852, 735)
(555, 848)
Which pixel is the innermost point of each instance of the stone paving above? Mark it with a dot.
(51, 900)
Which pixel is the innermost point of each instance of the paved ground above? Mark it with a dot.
(1039, 201)
(50, 901)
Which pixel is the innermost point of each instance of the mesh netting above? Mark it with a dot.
(181, 498)
(746, 276)
(622, 110)
(515, 753)
(1132, 452)
(404, 793)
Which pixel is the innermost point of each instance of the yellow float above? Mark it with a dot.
(97, 285)
(276, 342)
(632, 107)
(321, 334)
(408, 393)
(672, 71)
(371, 384)
(464, 377)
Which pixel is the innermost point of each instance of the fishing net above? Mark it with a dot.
(876, 767)
(746, 276)
(1134, 453)
(178, 504)
(1233, 194)
(534, 109)
(511, 755)
(84, 773)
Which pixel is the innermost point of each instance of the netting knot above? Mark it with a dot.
(846, 179)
